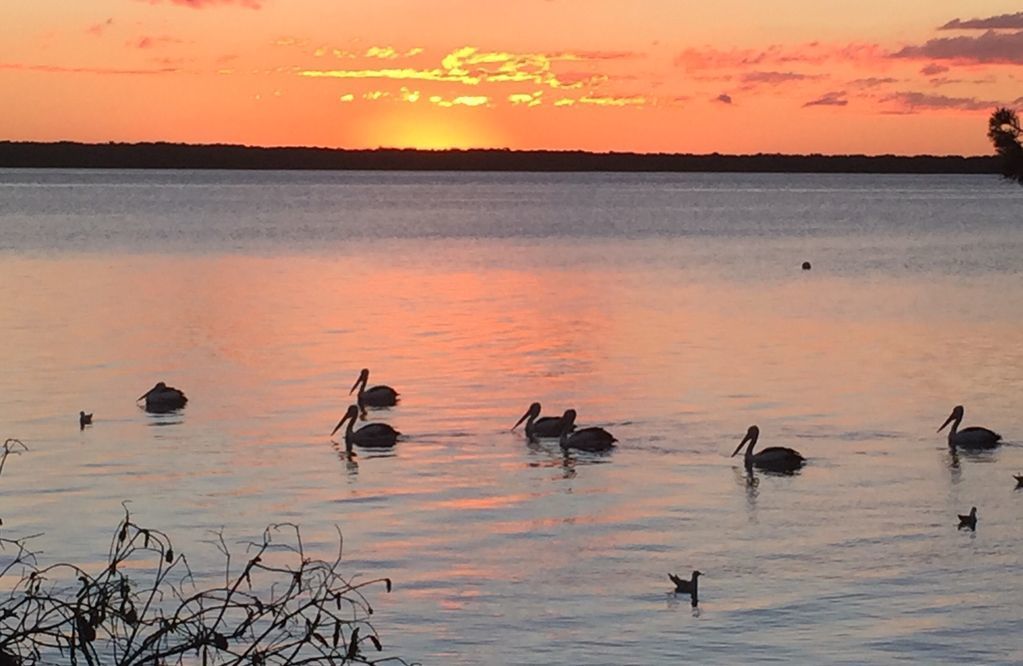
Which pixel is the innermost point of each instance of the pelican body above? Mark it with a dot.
(162, 398)
(377, 396)
(372, 436)
(84, 420)
(968, 438)
(587, 439)
(540, 428)
(773, 458)
(968, 521)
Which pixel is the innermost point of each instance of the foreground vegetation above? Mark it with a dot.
(145, 606)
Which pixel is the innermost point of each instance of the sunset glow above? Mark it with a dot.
(653, 76)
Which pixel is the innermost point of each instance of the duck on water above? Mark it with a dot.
(162, 398)
(377, 396)
(372, 436)
(974, 437)
(538, 427)
(773, 458)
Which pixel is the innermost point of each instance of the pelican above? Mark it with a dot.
(683, 586)
(548, 426)
(969, 520)
(162, 398)
(372, 436)
(84, 420)
(968, 438)
(773, 458)
(587, 439)
(378, 396)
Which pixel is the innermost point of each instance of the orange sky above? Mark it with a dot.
(826, 76)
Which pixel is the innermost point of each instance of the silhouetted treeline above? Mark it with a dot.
(185, 156)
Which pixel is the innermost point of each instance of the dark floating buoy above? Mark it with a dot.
(690, 587)
(84, 420)
(806, 266)
(970, 520)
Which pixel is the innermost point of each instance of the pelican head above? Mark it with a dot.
(533, 411)
(160, 386)
(363, 379)
(352, 413)
(956, 415)
(751, 437)
(567, 422)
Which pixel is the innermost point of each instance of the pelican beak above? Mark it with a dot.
(947, 421)
(355, 385)
(144, 395)
(741, 444)
(524, 417)
(339, 424)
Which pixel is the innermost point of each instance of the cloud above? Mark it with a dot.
(773, 78)
(812, 53)
(933, 69)
(145, 42)
(58, 69)
(829, 99)
(202, 4)
(917, 101)
(99, 28)
(991, 47)
(1000, 22)
(470, 66)
(724, 98)
(872, 82)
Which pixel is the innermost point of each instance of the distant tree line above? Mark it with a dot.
(1004, 132)
(186, 156)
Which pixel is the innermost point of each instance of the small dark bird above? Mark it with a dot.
(806, 265)
(538, 427)
(84, 420)
(1019, 480)
(969, 520)
(779, 459)
(683, 586)
(588, 439)
(162, 398)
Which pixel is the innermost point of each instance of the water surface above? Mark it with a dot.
(670, 309)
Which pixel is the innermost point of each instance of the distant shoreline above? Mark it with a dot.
(73, 155)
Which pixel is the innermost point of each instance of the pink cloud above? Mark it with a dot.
(723, 98)
(991, 47)
(99, 28)
(773, 78)
(873, 81)
(812, 53)
(60, 69)
(917, 101)
(1000, 22)
(933, 69)
(202, 4)
(146, 42)
(829, 99)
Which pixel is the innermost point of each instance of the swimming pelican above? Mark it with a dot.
(683, 586)
(378, 396)
(773, 458)
(969, 520)
(587, 439)
(372, 436)
(162, 398)
(84, 420)
(968, 438)
(548, 426)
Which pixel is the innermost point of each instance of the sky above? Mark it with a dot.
(729, 76)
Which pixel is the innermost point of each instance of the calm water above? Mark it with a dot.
(668, 308)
